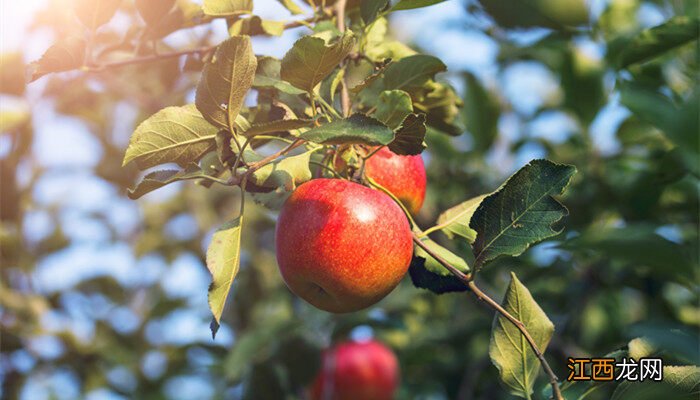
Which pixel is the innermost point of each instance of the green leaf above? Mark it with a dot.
(411, 4)
(555, 14)
(676, 340)
(311, 59)
(225, 81)
(288, 172)
(639, 245)
(388, 49)
(369, 9)
(227, 8)
(268, 76)
(158, 179)
(455, 221)
(422, 278)
(174, 134)
(441, 105)
(153, 11)
(223, 262)
(358, 128)
(282, 125)
(254, 26)
(64, 55)
(255, 346)
(509, 350)
(656, 109)
(521, 212)
(273, 200)
(94, 13)
(409, 137)
(412, 71)
(679, 383)
(433, 265)
(654, 42)
(649, 105)
(641, 347)
(284, 87)
(367, 82)
(336, 82)
(482, 112)
(393, 107)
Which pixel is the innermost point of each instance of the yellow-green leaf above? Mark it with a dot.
(311, 59)
(227, 8)
(455, 221)
(434, 265)
(509, 350)
(175, 134)
(393, 106)
(288, 172)
(254, 26)
(226, 80)
(223, 262)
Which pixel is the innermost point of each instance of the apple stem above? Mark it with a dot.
(468, 280)
(374, 184)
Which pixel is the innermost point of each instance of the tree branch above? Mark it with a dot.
(147, 59)
(88, 66)
(238, 179)
(468, 280)
(344, 93)
(465, 278)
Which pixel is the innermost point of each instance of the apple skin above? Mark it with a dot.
(342, 246)
(403, 176)
(357, 370)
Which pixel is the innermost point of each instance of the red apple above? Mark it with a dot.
(403, 176)
(342, 246)
(357, 371)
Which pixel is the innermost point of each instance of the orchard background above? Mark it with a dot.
(106, 297)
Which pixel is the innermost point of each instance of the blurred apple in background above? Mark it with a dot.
(354, 370)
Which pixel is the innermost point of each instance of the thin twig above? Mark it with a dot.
(237, 180)
(149, 58)
(372, 182)
(328, 107)
(373, 152)
(327, 168)
(468, 280)
(465, 278)
(344, 93)
(89, 66)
